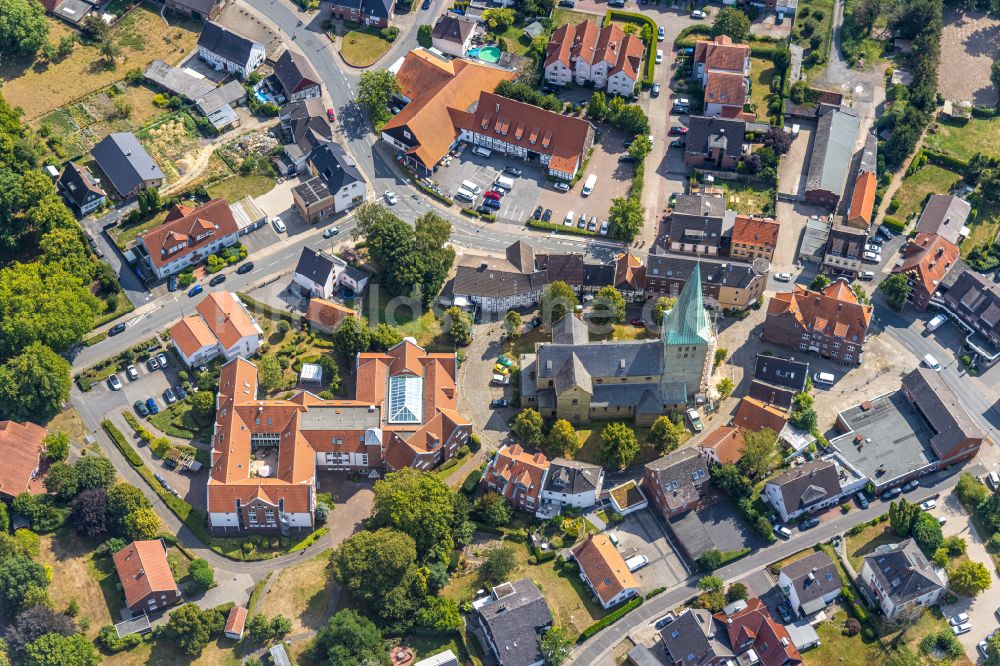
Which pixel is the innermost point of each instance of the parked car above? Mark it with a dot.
(604, 228)
(152, 364)
(592, 224)
(665, 620)
(582, 222)
(131, 373)
(500, 380)
(538, 213)
(698, 14)
(982, 646)
(279, 225)
(659, 56)
(783, 277)
(692, 415)
(499, 403)
(562, 186)
(501, 369)
(884, 231)
(661, 34)
(512, 171)
(116, 329)
(493, 194)
(169, 396)
(162, 359)
(809, 523)
(655, 91)
(960, 629)
(153, 407)
(867, 276)
(928, 505)
(217, 280)
(505, 360)
(426, 4)
(140, 408)
(547, 215)
(677, 143)
(677, 130)
(636, 562)
(862, 500)
(871, 257)
(483, 209)
(331, 232)
(567, 3)
(782, 531)
(891, 494)
(390, 197)
(114, 383)
(195, 290)
(872, 247)
(910, 485)
(172, 283)
(956, 620)
(492, 203)
(626, 158)
(785, 612)
(180, 392)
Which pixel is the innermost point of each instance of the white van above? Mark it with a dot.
(993, 481)
(569, 219)
(482, 151)
(465, 195)
(504, 182)
(866, 276)
(936, 322)
(932, 363)
(472, 187)
(824, 378)
(588, 187)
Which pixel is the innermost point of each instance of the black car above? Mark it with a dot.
(538, 213)
(910, 485)
(547, 215)
(218, 279)
(172, 283)
(499, 402)
(809, 523)
(626, 158)
(180, 392)
(891, 493)
(628, 144)
(785, 612)
(245, 268)
(512, 171)
(484, 210)
(426, 5)
(567, 3)
(116, 329)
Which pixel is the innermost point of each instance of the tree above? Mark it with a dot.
(498, 565)
(351, 338)
(556, 646)
(439, 614)
(459, 325)
(65, 46)
(62, 248)
(419, 504)
(142, 524)
(662, 306)
(124, 499)
(862, 295)
(259, 628)
(4, 523)
(498, 20)
(927, 533)
(95, 471)
(349, 639)
(995, 75)
(90, 512)
(737, 591)
(664, 435)
(203, 405)
(710, 560)
(759, 453)
(494, 510)
(33, 623)
(902, 516)
(819, 283)
(993, 650)
(269, 373)
(34, 384)
(803, 415)
(608, 307)
(191, 628)
(640, 148)
(56, 650)
(625, 218)
(384, 337)
(527, 427)
(513, 324)
(724, 387)
(633, 120)
(897, 290)
(733, 23)
(776, 138)
(23, 27)
(971, 491)
(711, 584)
(562, 440)
(781, 58)
(969, 578)
(425, 36)
(110, 50)
(558, 299)
(375, 89)
(597, 108)
(94, 29)
(56, 446)
(619, 445)
(202, 574)
(61, 481)
(18, 574)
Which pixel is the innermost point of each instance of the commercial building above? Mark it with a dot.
(604, 571)
(146, 578)
(229, 51)
(222, 327)
(724, 283)
(698, 223)
(21, 446)
(584, 54)
(945, 215)
(901, 581)
(715, 143)
(843, 251)
(126, 164)
(187, 236)
(833, 148)
(862, 201)
(926, 261)
(753, 237)
(512, 620)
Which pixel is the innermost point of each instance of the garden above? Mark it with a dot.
(363, 47)
(171, 142)
(812, 30)
(962, 139)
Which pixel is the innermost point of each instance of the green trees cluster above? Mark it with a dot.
(350, 639)
(619, 445)
(897, 290)
(733, 23)
(558, 299)
(191, 628)
(628, 117)
(23, 27)
(665, 434)
(375, 90)
(803, 415)
(523, 92)
(731, 480)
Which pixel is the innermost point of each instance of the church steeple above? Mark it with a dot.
(687, 322)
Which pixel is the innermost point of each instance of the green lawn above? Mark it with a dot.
(361, 48)
(983, 229)
(855, 42)
(178, 421)
(428, 645)
(914, 189)
(821, 26)
(761, 74)
(963, 139)
(746, 198)
(868, 540)
(381, 306)
(124, 234)
(234, 188)
(561, 16)
(515, 39)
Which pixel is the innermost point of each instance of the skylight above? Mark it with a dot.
(405, 399)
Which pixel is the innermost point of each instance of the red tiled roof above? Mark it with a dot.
(518, 468)
(834, 311)
(721, 54)
(726, 88)
(756, 231)
(863, 198)
(191, 334)
(143, 569)
(604, 567)
(21, 447)
(327, 313)
(226, 318)
(422, 70)
(727, 442)
(771, 641)
(754, 415)
(236, 621)
(927, 259)
(213, 220)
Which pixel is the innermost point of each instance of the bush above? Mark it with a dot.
(852, 627)
(471, 482)
(108, 639)
(894, 223)
(610, 619)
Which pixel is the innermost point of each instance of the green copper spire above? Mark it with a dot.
(687, 323)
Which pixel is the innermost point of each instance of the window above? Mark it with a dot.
(405, 399)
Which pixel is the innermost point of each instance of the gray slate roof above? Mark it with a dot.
(902, 571)
(940, 406)
(846, 241)
(608, 359)
(573, 374)
(515, 621)
(177, 81)
(79, 184)
(124, 161)
(692, 639)
(784, 372)
(944, 215)
(869, 154)
(698, 219)
(294, 72)
(225, 43)
(335, 166)
(453, 28)
(570, 330)
(713, 271)
(316, 266)
(677, 475)
(833, 148)
(807, 484)
(571, 476)
(813, 576)
(705, 134)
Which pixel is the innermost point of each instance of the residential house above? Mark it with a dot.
(901, 581)
(374, 13)
(517, 476)
(754, 415)
(325, 316)
(126, 164)
(188, 236)
(146, 578)
(945, 215)
(725, 94)
(715, 143)
(222, 327)
(200, 10)
(724, 283)
(693, 639)
(698, 223)
(956, 436)
(974, 301)
(753, 237)
(229, 51)
(453, 33)
(305, 127)
(499, 285)
(572, 483)
(720, 55)
(604, 571)
(926, 261)
(574, 379)
(72, 11)
(776, 381)
(830, 322)
(336, 186)
(235, 623)
(421, 69)
(862, 201)
(425, 131)
(297, 78)
(675, 481)
(723, 446)
(753, 633)
(516, 129)
(319, 273)
(603, 57)
(843, 251)
(512, 620)
(21, 446)
(810, 583)
(804, 489)
(833, 148)
(80, 189)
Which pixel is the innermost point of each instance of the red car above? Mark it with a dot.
(492, 195)
(331, 116)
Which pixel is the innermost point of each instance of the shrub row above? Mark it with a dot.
(652, 593)
(549, 226)
(108, 639)
(610, 618)
(119, 439)
(946, 161)
(472, 212)
(894, 223)
(471, 482)
(641, 19)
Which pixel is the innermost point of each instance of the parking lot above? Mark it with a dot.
(639, 533)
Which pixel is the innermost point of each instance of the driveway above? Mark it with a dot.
(640, 533)
(477, 391)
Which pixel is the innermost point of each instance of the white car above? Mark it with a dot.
(960, 629)
(961, 618)
(695, 420)
(871, 257)
(698, 14)
(279, 225)
(636, 562)
(132, 373)
(390, 198)
(873, 247)
(114, 383)
(562, 186)
(500, 380)
(659, 56)
(928, 505)
(783, 277)
(661, 34)
(783, 531)
(604, 228)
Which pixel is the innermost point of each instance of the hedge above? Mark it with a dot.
(652, 593)
(629, 17)
(945, 161)
(471, 482)
(549, 226)
(119, 439)
(472, 212)
(894, 223)
(610, 619)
